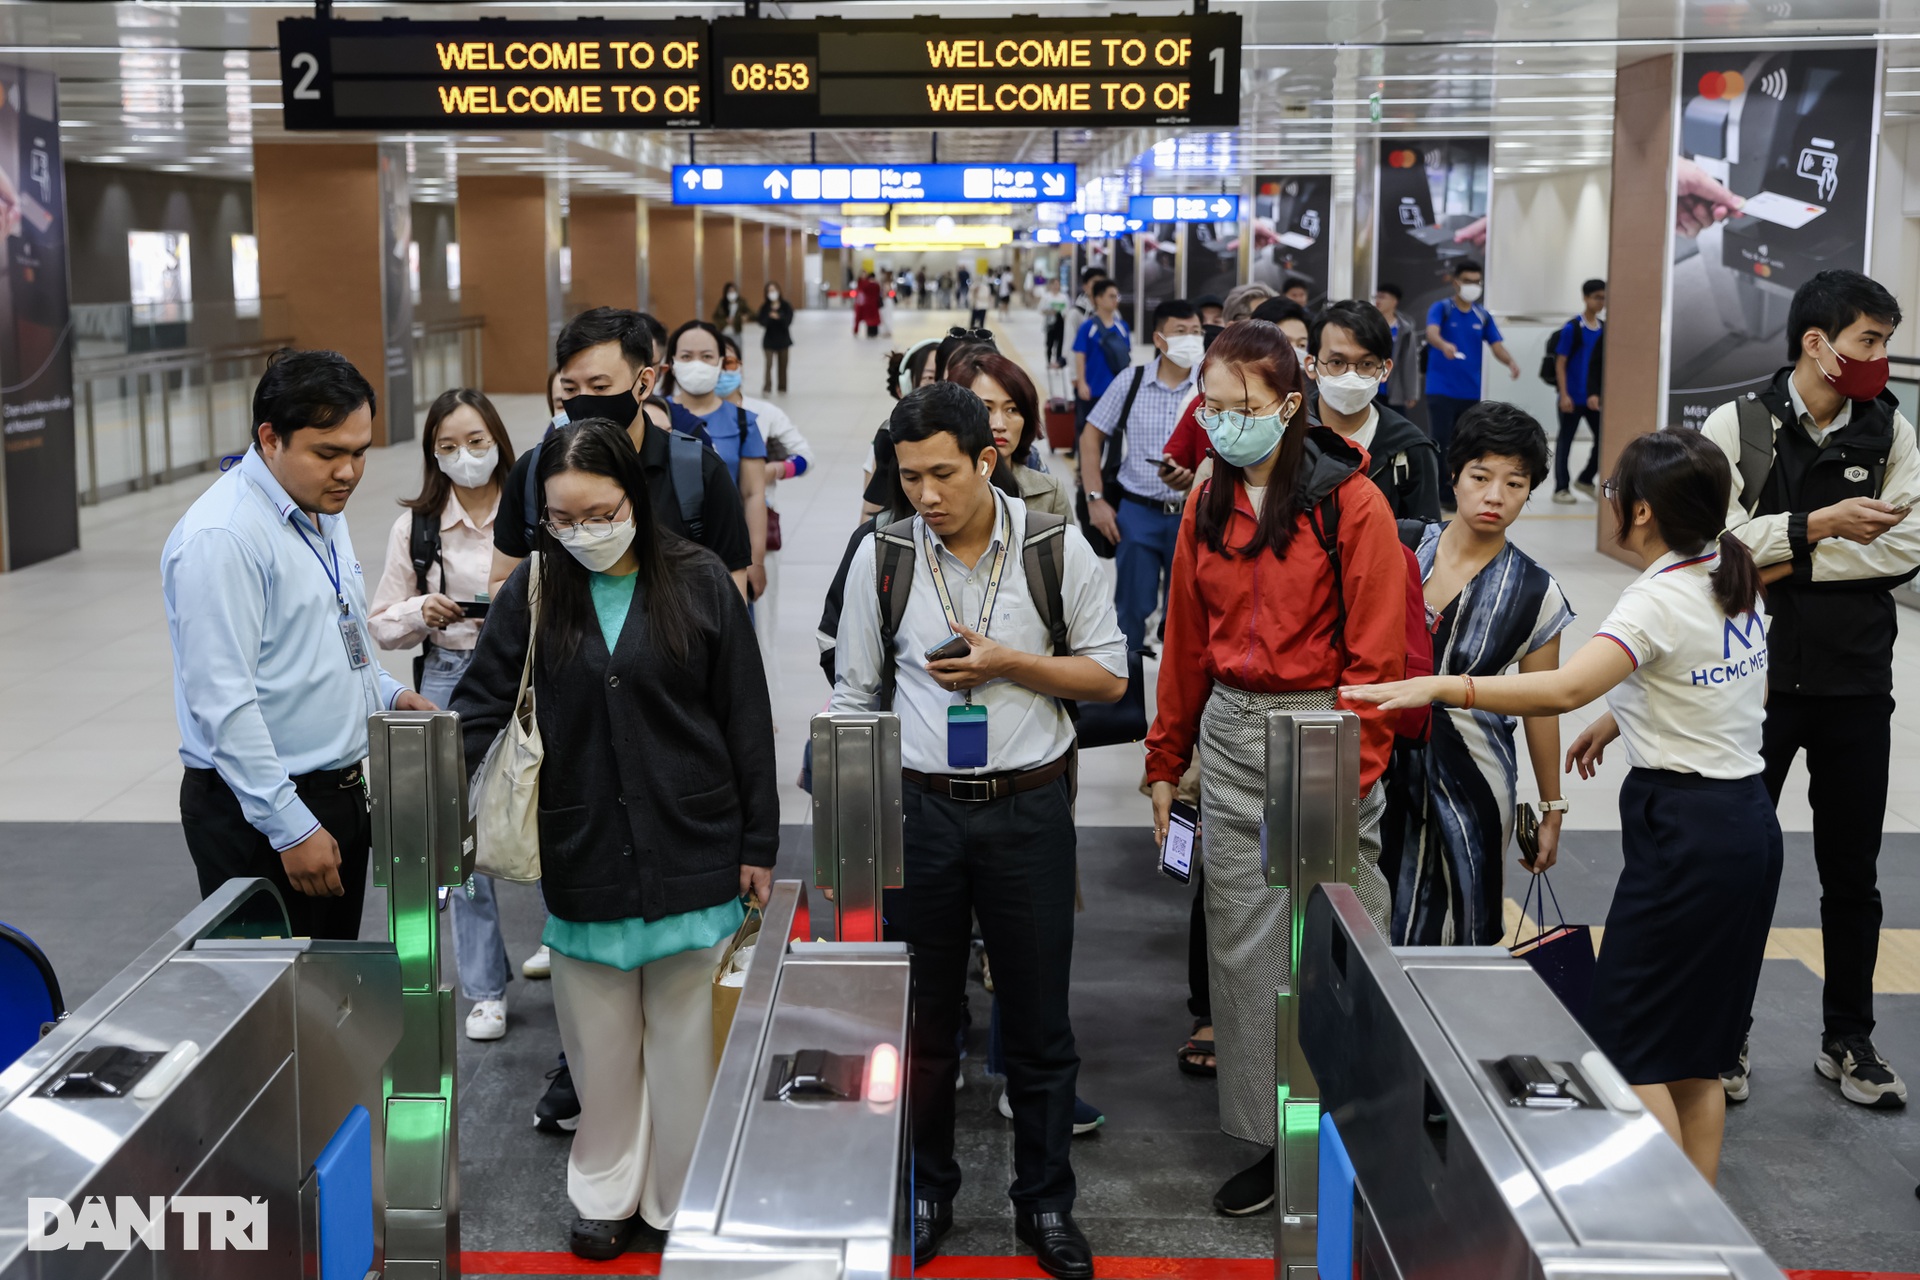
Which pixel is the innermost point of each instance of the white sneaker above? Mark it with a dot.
(1563, 497)
(538, 965)
(487, 1020)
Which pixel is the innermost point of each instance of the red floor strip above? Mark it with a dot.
(983, 1268)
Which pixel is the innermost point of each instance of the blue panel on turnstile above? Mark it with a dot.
(1334, 1252)
(345, 1173)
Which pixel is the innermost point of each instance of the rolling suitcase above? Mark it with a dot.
(1062, 418)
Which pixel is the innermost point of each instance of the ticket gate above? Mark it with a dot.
(801, 1170)
(1309, 835)
(1472, 1129)
(238, 1102)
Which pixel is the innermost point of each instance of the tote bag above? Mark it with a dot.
(1562, 955)
(726, 994)
(506, 790)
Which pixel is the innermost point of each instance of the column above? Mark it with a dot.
(325, 256)
(753, 261)
(673, 261)
(719, 260)
(510, 274)
(605, 234)
(777, 258)
(1637, 266)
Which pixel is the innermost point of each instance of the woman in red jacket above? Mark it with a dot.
(1254, 625)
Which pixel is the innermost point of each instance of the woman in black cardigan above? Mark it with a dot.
(658, 810)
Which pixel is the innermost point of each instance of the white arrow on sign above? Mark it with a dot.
(1053, 184)
(692, 179)
(776, 182)
(1221, 208)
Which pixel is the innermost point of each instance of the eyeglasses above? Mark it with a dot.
(1610, 489)
(478, 448)
(978, 335)
(1337, 365)
(593, 526)
(1210, 418)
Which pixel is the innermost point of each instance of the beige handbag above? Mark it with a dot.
(506, 790)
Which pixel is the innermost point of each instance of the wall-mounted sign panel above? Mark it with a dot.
(891, 184)
(1099, 226)
(494, 74)
(1184, 208)
(949, 73)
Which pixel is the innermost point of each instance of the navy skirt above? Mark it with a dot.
(1680, 961)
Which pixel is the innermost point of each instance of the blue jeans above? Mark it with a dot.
(1147, 537)
(478, 951)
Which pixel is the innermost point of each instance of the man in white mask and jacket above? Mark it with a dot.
(1351, 346)
(1132, 499)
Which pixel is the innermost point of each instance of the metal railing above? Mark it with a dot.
(200, 396)
(446, 353)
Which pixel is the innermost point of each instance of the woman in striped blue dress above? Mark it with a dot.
(1451, 799)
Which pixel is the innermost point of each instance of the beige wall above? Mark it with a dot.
(672, 259)
(604, 234)
(719, 263)
(1550, 232)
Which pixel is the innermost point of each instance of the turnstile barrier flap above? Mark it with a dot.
(857, 838)
(1310, 826)
(1424, 1056)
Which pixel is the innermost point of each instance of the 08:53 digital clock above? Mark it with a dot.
(769, 75)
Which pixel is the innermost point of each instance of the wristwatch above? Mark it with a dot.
(1553, 806)
(1096, 497)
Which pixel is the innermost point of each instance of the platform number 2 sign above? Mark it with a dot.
(309, 65)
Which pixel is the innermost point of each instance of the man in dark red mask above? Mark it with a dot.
(1825, 471)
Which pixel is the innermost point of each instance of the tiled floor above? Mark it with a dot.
(91, 862)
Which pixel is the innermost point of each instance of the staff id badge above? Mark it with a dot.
(357, 655)
(966, 736)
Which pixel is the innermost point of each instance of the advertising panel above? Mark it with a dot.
(1291, 219)
(36, 357)
(1773, 184)
(1432, 213)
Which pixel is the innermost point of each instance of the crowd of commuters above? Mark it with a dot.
(1276, 521)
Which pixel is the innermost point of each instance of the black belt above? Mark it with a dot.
(338, 778)
(978, 788)
(1173, 508)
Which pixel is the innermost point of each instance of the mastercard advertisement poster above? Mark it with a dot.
(1773, 184)
(1432, 214)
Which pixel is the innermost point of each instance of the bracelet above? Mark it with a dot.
(1553, 806)
(1467, 703)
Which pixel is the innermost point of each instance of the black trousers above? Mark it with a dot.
(1562, 453)
(1199, 993)
(1010, 863)
(224, 845)
(1847, 741)
(1056, 339)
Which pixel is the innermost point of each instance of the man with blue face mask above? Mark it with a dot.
(1134, 493)
(1352, 358)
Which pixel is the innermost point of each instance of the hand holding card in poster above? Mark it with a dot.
(1772, 184)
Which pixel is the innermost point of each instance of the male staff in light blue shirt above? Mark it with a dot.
(274, 674)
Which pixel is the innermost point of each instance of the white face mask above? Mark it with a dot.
(696, 377)
(1469, 293)
(597, 554)
(1349, 393)
(773, 295)
(1185, 349)
(469, 470)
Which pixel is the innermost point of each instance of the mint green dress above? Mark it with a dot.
(633, 942)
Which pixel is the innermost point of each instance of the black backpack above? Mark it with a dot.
(423, 548)
(1755, 463)
(1549, 366)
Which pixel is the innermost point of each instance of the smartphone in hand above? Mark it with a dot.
(1183, 831)
(952, 647)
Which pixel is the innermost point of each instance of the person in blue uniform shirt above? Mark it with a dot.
(1457, 328)
(273, 669)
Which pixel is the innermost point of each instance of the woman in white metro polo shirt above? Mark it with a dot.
(1682, 661)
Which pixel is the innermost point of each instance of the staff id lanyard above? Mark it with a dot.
(967, 723)
(350, 633)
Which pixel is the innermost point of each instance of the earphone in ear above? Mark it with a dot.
(985, 470)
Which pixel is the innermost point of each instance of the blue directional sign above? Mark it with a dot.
(893, 184)
(1095, 226)
(1184, 208)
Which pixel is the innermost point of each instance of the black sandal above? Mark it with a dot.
(1197, 1048)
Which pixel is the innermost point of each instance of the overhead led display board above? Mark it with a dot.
(591, 73)
(933, 72)
(1184, 208)
(889, 184)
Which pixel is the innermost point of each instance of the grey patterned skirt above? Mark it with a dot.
(1248, 924)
